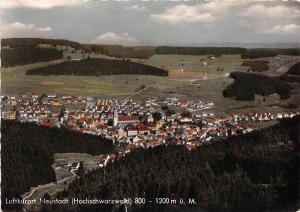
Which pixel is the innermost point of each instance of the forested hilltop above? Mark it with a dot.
(252, 172)
(34, 42)
(27, 55)
(246, 85)
(295, 69)
(97, 67)
(27, 154)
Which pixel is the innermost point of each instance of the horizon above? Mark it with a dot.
(200, 44)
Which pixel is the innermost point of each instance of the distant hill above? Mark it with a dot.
(144, 52)
(121, 51)
(246, 85)
(34, 42)
(98, 67)
(257, 53)
(109, 50)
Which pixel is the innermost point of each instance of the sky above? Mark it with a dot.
(153, 22)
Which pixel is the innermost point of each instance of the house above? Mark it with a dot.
(131, 130)
(128, 119)
(74, 167)
(104, 159)
(186, 120)
(56, 102)
(184, 104)
(9, 115)
(152, 143)
(34, 95)
(142, 129)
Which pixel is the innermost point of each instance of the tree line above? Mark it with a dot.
(251, 172)
(217, 51)
(34, 42)
(144, 52)
(27, 154)
(97, 67)
(28, 55)
(257, 65)
(257, 53)
(246, 85)
(295, 69)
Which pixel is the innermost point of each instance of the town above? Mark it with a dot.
(131, 124)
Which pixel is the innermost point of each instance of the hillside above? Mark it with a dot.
(246, 85)
(34, 42)
(294, 70)
(27, 154)
(28, 55)
(258, 53)
(199, 50)
(121, 51)
(97, 67)
(243, 173)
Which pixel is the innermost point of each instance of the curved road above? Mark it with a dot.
(49, 184)
(282, 69)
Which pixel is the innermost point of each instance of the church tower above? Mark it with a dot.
(116, 118)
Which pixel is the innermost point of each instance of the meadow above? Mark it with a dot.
(14, 80)
(229, 63)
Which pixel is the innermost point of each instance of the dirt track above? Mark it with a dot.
(177, 74)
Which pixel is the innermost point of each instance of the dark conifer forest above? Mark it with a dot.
(257, 65)
(199, 50)
(97, 67)
(257, 53)
(27, 154)
(295, 69)
(34, 42)
(246, 85)
(28, 55)
(252, 172)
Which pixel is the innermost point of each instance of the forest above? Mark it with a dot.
(97, 67)
(28, 55)
(252, 172)
(121, 51)
(34, 42)
(27, 154)
(217, 51)
(246, 85)
(257, 53)
(295, 69)
(257, 65)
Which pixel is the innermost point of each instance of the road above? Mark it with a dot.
(49, 184)
(282, 69)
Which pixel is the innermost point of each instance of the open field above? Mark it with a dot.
(194, 75)
(90, 162)
(14, 80)
(229, 63)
